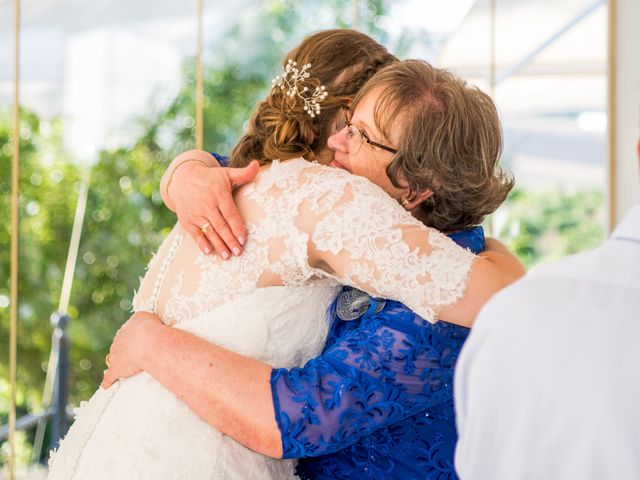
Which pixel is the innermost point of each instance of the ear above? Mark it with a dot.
(418, 199)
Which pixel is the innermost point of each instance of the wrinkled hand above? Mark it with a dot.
(125, 353)
(203, 195)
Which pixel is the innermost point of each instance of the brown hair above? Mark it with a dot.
(342, 60)
(451, 142)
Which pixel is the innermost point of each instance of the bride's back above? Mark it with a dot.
(182, 283)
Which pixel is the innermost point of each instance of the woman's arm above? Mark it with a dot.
(495, 268)
(201, 194)
(500, 255)
(184, 171)
(340, 395)
(227, 390)
(363, 238)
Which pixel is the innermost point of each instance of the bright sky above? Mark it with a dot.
(435, 16)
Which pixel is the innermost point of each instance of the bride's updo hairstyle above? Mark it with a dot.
(332, 65)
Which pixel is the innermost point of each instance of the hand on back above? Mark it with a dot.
(203, 201)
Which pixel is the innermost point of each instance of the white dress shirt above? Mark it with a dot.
(548, 384)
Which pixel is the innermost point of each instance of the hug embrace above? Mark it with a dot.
(319, 341)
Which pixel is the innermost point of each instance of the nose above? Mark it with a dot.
(338, 141)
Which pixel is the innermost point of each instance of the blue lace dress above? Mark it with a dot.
(378, 403)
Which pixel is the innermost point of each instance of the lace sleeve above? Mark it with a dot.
(365, 239)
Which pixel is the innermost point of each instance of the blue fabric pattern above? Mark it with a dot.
(222, 160)
(378, 402)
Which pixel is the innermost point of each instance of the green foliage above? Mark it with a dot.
(47, 181)
(545, 225)
(46, 203)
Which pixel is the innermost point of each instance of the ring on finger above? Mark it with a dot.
(205, 227)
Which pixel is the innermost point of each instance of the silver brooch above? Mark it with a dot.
(353, 303)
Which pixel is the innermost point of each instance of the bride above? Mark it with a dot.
(311, 228)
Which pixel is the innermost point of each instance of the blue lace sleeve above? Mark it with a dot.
(222, 160)
(375, 371)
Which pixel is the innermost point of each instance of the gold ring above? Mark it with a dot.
(404, 202)
(204, 227)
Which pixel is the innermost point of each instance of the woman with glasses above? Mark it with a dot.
(310, 228)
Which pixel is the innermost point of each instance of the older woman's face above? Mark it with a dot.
(353, 154)
(325, 155)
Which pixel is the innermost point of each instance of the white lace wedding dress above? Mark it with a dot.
(270, 304)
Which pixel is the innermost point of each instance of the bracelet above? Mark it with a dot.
(173, 171)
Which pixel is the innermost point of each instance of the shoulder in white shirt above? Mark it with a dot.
(548, 383)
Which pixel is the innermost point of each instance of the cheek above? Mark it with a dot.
(378, 169)
(368, 169)
(360, 166)
(386, 184)
(379, 176)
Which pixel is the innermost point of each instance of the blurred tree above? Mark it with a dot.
(46, 204)
(548, 224)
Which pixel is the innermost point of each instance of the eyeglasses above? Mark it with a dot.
(357, 137)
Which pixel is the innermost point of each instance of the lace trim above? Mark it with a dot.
(163, 272)
(90, 428)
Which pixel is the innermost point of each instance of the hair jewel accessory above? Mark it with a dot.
(290, 83)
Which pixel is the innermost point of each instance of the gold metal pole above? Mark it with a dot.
(611, 112)
(199, 86)
(492, 49)
(13, 335)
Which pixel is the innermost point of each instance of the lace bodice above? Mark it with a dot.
(305, 222)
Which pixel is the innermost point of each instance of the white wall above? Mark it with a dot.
(627, 107)
(110, 77)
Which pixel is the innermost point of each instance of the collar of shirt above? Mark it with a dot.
(629, 227)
